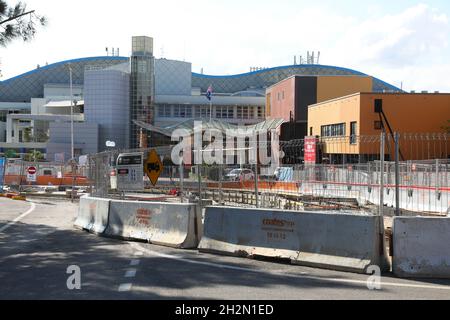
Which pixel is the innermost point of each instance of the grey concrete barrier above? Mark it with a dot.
(333, 241)
(421, 247)
(167, 224)
(93, 214)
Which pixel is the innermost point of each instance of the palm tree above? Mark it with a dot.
(34, 155)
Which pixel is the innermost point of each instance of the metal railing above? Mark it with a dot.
(358, 183)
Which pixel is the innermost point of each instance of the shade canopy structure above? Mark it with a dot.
(63, 104)
(214, 125)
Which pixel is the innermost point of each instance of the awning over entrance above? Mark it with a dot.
(62, 104)
(265, 126)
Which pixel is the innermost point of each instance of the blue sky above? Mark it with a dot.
(397, 41)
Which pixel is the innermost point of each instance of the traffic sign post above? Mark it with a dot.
(2, 172)
(113, 179)
(31, 174)
(153, 167)
(130, 173)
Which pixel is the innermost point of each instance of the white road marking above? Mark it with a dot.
(23, 215)
(131, 273)
(124, 287)
(134, 262)
(223, 266)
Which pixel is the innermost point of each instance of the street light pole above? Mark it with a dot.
(71, 114)
(72, 159)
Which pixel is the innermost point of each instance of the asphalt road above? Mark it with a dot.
(38, 243)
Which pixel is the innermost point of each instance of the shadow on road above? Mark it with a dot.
(34, 259)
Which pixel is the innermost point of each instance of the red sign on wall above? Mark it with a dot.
(310, 150)
(32, 170)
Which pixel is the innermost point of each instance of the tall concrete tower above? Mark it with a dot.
(142, 87)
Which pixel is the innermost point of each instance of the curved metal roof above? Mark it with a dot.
(265, 78)
(31, 84)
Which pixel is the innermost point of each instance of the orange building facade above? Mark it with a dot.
(289, 99)
(347, 125)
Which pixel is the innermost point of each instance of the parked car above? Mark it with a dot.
(240, 175)
(284, 174)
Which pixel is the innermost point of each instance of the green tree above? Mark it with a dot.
(27, 137)
(16, 22)
(34, 156)
(10, 154)
(38, 136)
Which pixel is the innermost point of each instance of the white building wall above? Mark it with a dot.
(62, 91)
(85, 139)
(107, 103)
(2, 131)
(37, 106)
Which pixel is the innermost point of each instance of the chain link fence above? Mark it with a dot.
(348, 175)
(48, 174)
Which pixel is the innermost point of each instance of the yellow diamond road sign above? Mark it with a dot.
(153, 167)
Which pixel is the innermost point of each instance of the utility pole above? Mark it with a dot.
(384, 262)
(182, 181)
(72, 159)
(397, 174)
(71, 113)
(382, 147)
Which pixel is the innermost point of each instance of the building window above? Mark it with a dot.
(244, 112)
(260, 112)
(282, 95)
(224, 112)
(181, 111)
(353, 132)
(333, 130)
(164, 111)
(378, 125)
(202, 112)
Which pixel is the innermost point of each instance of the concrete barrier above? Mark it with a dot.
(421, 247)
(333, 241)
(167, 224)
(93, 214)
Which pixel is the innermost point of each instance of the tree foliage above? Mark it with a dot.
(34, 155)
(16, 22)
(11, 154)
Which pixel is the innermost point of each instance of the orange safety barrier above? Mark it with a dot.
(294, 186)
(262, 185)
(47, 180)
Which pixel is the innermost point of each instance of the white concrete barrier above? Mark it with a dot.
(174, 225)
(421, 247)
(93, 214)
(334, 241)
